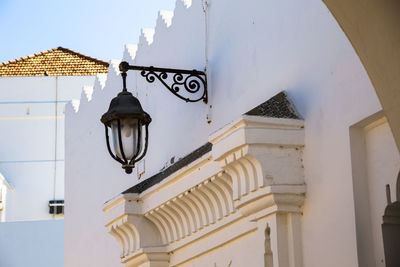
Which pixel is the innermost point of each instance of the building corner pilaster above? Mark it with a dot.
(264, 160)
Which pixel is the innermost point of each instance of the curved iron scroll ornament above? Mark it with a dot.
(192, 81)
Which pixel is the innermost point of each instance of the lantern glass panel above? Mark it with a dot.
(129, 137)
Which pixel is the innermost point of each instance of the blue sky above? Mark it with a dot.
(97, 28)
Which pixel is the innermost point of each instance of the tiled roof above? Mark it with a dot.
(279, 106)
(55, 62)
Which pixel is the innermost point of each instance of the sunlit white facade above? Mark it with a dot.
(267, 190)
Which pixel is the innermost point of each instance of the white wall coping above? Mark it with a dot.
(4, 181)
(255, 121)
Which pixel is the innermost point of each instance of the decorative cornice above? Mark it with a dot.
(260, 173)
(194, 209)
(125, 223)
(260, 155)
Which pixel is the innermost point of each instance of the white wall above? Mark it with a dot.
(255, 49)
(19, 244)
(223, 256)
(376, 162)
(383, 161)
(27, 154)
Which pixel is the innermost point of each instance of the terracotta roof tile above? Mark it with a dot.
(55, 62)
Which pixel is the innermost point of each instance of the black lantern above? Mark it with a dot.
(128, 121)
(129, 129)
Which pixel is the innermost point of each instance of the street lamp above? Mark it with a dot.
(128, 121)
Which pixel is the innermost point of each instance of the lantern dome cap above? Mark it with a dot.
(125, 105)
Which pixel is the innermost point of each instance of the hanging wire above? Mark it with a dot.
(205, 6)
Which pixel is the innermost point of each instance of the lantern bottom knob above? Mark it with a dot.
(128, 170)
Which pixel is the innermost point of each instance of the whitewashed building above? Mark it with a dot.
(286, 165)
(33, 93)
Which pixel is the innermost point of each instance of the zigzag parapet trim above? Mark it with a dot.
(146, 37)
(181, 7)
(88, 90)
(130, 53)
(114, 65)
(166, 16)
(75, 104)
(98, 84)
(187, 3)
(100, 81)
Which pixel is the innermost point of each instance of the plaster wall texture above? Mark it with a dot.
(19, 243)
(254, 50)
(27, 156)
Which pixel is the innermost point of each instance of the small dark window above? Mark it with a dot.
(56, 206)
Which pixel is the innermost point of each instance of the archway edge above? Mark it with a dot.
(372, 28)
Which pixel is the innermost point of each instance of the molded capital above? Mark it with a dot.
(134, 232)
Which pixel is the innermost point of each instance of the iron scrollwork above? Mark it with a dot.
(191, 81)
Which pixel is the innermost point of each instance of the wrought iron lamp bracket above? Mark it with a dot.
(193, 81)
